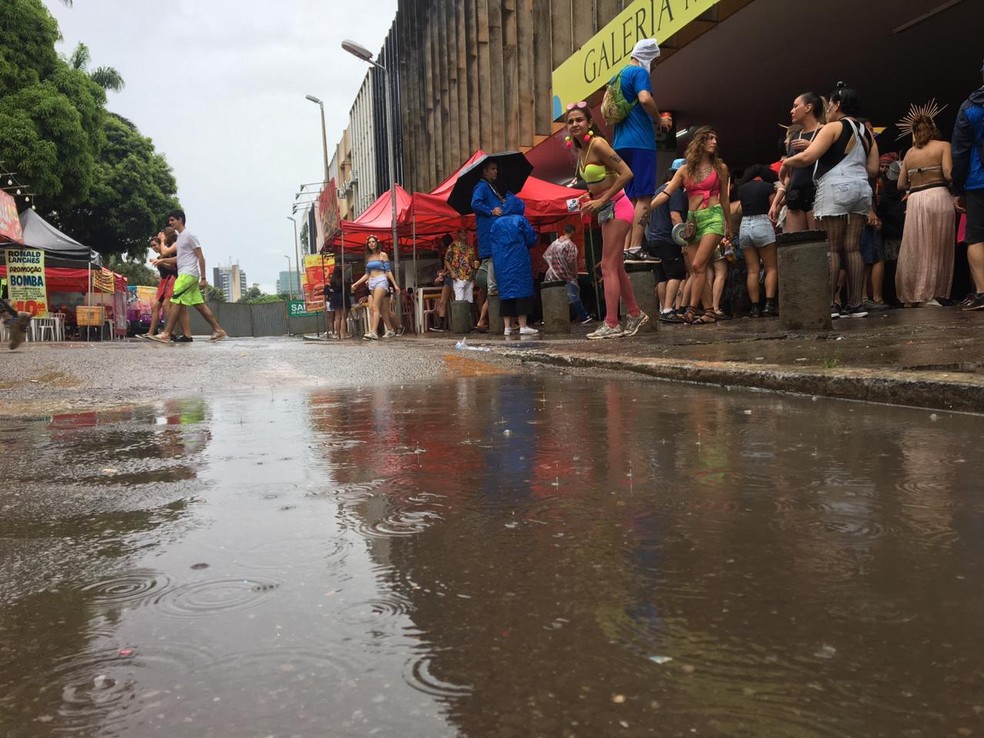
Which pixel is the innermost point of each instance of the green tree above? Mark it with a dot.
(106, 77)
(214, 294)
(133, 187)
(136, 273)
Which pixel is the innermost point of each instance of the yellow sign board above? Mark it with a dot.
(26, 281)
(607, 51)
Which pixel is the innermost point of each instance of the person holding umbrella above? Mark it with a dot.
(606, 174)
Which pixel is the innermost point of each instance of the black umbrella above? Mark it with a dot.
(514, 169)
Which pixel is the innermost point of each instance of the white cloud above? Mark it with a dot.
(219, 86)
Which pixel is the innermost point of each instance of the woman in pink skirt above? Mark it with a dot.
(925, 268)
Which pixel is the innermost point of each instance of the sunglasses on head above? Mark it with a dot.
(579, 105)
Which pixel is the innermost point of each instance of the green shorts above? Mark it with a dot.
(186, 291)
(709, 221)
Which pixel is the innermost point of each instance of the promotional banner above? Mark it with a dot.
(26, 282)
(102, 281)
(597, 61)
(317, 272)
(10, 225)
(328, 216)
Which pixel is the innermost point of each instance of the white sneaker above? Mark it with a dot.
(371, 336)
(632, 325)
(606, 331)
(508, 331)
(389, 333)
(528, 331)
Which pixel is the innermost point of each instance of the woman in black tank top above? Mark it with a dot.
(797, 190)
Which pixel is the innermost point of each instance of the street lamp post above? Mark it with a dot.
(297, 253)
(324, 132)
(290, 280)
(365, 55)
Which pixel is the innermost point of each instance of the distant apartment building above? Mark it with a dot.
(231, 280)
(288, 283)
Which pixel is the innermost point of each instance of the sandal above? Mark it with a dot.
(705, 319)
(689, 315)
(719, 315)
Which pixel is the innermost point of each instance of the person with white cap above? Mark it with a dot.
(968, 186)
(634, 138)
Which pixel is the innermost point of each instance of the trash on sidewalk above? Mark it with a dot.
(462, 345)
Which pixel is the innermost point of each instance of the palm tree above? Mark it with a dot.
(106, 77)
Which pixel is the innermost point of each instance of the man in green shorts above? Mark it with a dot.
(188, 286)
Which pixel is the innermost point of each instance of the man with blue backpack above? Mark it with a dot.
(629, 107)
(968, 186)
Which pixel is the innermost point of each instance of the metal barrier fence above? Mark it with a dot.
(261, 319)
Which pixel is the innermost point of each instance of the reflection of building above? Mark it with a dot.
(231, 280)
(288, 282)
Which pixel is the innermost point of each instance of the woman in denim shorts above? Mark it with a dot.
(757, 237)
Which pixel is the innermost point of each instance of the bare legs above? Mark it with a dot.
(975, 258)
(636, 235)
(767, 256)
(613, 275)
(799, 220)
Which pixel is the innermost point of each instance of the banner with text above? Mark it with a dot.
(317, 272)
(10, 225)
(597, 61)
(26, 282)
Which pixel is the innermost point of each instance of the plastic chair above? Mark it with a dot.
(41, 327)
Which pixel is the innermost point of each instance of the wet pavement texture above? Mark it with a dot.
(517, 555)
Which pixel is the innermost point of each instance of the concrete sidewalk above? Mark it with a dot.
(926, 357)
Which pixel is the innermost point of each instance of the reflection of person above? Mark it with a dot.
(846, 155)
(511, 237)
(925, 269)
(635, 140)
(379, 278)
(705, 178)
(487, 205)
(561, 258)
(968, 186)
(190, 281)
(605, 174)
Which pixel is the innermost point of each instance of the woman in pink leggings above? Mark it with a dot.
(606, 174)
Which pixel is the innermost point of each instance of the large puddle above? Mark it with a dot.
(507, 556)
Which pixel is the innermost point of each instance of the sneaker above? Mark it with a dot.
(508, 331)
(217, 336)
(858, 311)
(436, 329)
(371, 336)
(528, 331)
(771, 309)
(978, 302)
(835, 310)
(632, 325)
(872, 307)
(185, 339)
(18, 329)
(669, 316)
(932, 303)
(389, 333)
(587, 321)
(754, 312)
(639, 255)
(607, 331)
(968, 300)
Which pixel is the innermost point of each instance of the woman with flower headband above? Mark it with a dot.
(379, 276)
(925, 269)
(706, 181)
(605, 174)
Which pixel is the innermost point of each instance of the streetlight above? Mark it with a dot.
(290, 281)
(365, 55)
(324, 133)
(297, 253)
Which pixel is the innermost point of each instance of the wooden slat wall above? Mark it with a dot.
(477, 74)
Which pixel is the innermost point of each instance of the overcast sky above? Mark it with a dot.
(219, 86)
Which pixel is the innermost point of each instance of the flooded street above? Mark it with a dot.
(540, 555)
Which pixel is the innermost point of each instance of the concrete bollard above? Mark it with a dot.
(461, 316)
(556, 308)
(644, 288)
(496, 324)
(804, 281)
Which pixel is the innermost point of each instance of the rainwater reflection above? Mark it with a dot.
(506, 556)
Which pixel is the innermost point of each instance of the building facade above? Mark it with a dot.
(231, 280)
(288, 283)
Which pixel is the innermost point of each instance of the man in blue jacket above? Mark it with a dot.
(968, 186)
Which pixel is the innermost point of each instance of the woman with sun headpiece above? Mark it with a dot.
(925, 269)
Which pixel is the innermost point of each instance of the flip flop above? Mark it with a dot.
(158, 339)
(217, 336)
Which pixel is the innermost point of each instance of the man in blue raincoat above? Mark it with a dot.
(511, 237)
